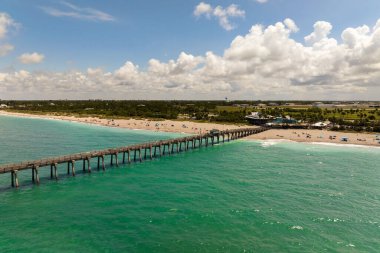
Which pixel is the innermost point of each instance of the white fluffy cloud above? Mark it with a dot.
(262, 1)
(266, 63)
(203, 9)
(222, 14)
(31, 58)
(321, 31)
(6, 22)
(291, 25)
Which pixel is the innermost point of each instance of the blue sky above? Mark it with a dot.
(159, 29)
(138, 31)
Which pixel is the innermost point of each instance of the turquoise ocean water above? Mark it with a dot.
(243, 196)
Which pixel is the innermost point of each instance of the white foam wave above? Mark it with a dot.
(296, 228)
(272, 142)
(343, 145)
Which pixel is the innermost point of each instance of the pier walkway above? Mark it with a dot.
(130, 153)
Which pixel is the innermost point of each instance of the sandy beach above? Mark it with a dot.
(304, 135)
(299, 135)
(141, 124)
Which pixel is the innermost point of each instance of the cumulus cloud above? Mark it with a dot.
(265, 63)
(222, 14)
(95, 71)
(203, 9)
(31, 58)
(6, 22)
(262, 1)
(291, 25)
(321, 30)
(74, 11)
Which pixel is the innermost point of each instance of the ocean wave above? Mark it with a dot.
(343, 145)
(272, 142)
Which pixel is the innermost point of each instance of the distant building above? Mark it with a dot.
(3, 106)
(183, 116)
(256, 118)
(321, 125)
(286, 120)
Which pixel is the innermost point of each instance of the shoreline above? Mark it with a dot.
(170, 126)
(318, 137)
(271, 142)
(189, 127)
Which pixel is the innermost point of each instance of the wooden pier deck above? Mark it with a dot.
(130, 153)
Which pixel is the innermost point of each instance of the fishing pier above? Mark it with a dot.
(127, 154)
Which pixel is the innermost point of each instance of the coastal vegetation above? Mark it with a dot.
(357, 116)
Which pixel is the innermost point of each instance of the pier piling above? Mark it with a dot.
(88, 165)
(103, 165)
(55, 173)
(73, 168)
(14, 178)
(116, 159)
(129, 156)
(35, 176)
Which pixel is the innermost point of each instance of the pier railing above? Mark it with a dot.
(136, 152)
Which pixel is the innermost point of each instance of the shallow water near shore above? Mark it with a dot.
(32, 138)
(243, 196)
